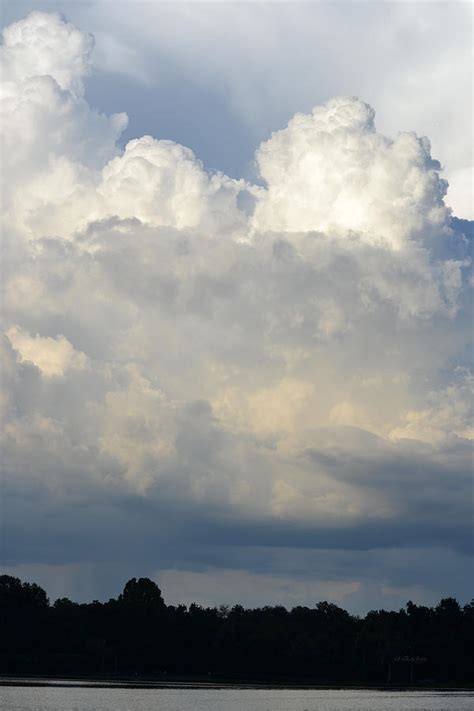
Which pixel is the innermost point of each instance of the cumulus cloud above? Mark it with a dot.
(330, 171)
(162, 183)
(51, 138)
(53, 356)
(46, 45)
(256, 62)
(294, 354)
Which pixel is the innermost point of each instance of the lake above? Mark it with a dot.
(72, 698)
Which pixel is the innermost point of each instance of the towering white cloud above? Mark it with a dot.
(292, 353)
(46, 45)
(330, 171)
(51, 138)
(258, 61)
(162, 183)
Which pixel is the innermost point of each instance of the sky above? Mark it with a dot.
(236, 300)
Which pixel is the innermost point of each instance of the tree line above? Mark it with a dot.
(137, 634)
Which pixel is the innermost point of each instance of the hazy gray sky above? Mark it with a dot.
(238, 361)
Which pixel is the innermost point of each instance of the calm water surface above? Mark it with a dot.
(85, 699)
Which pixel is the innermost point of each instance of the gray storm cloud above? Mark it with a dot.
(301, 361)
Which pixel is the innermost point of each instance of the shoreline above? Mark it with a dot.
(131, 683)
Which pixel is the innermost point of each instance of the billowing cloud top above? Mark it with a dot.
(289, 355)
(331, 171)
